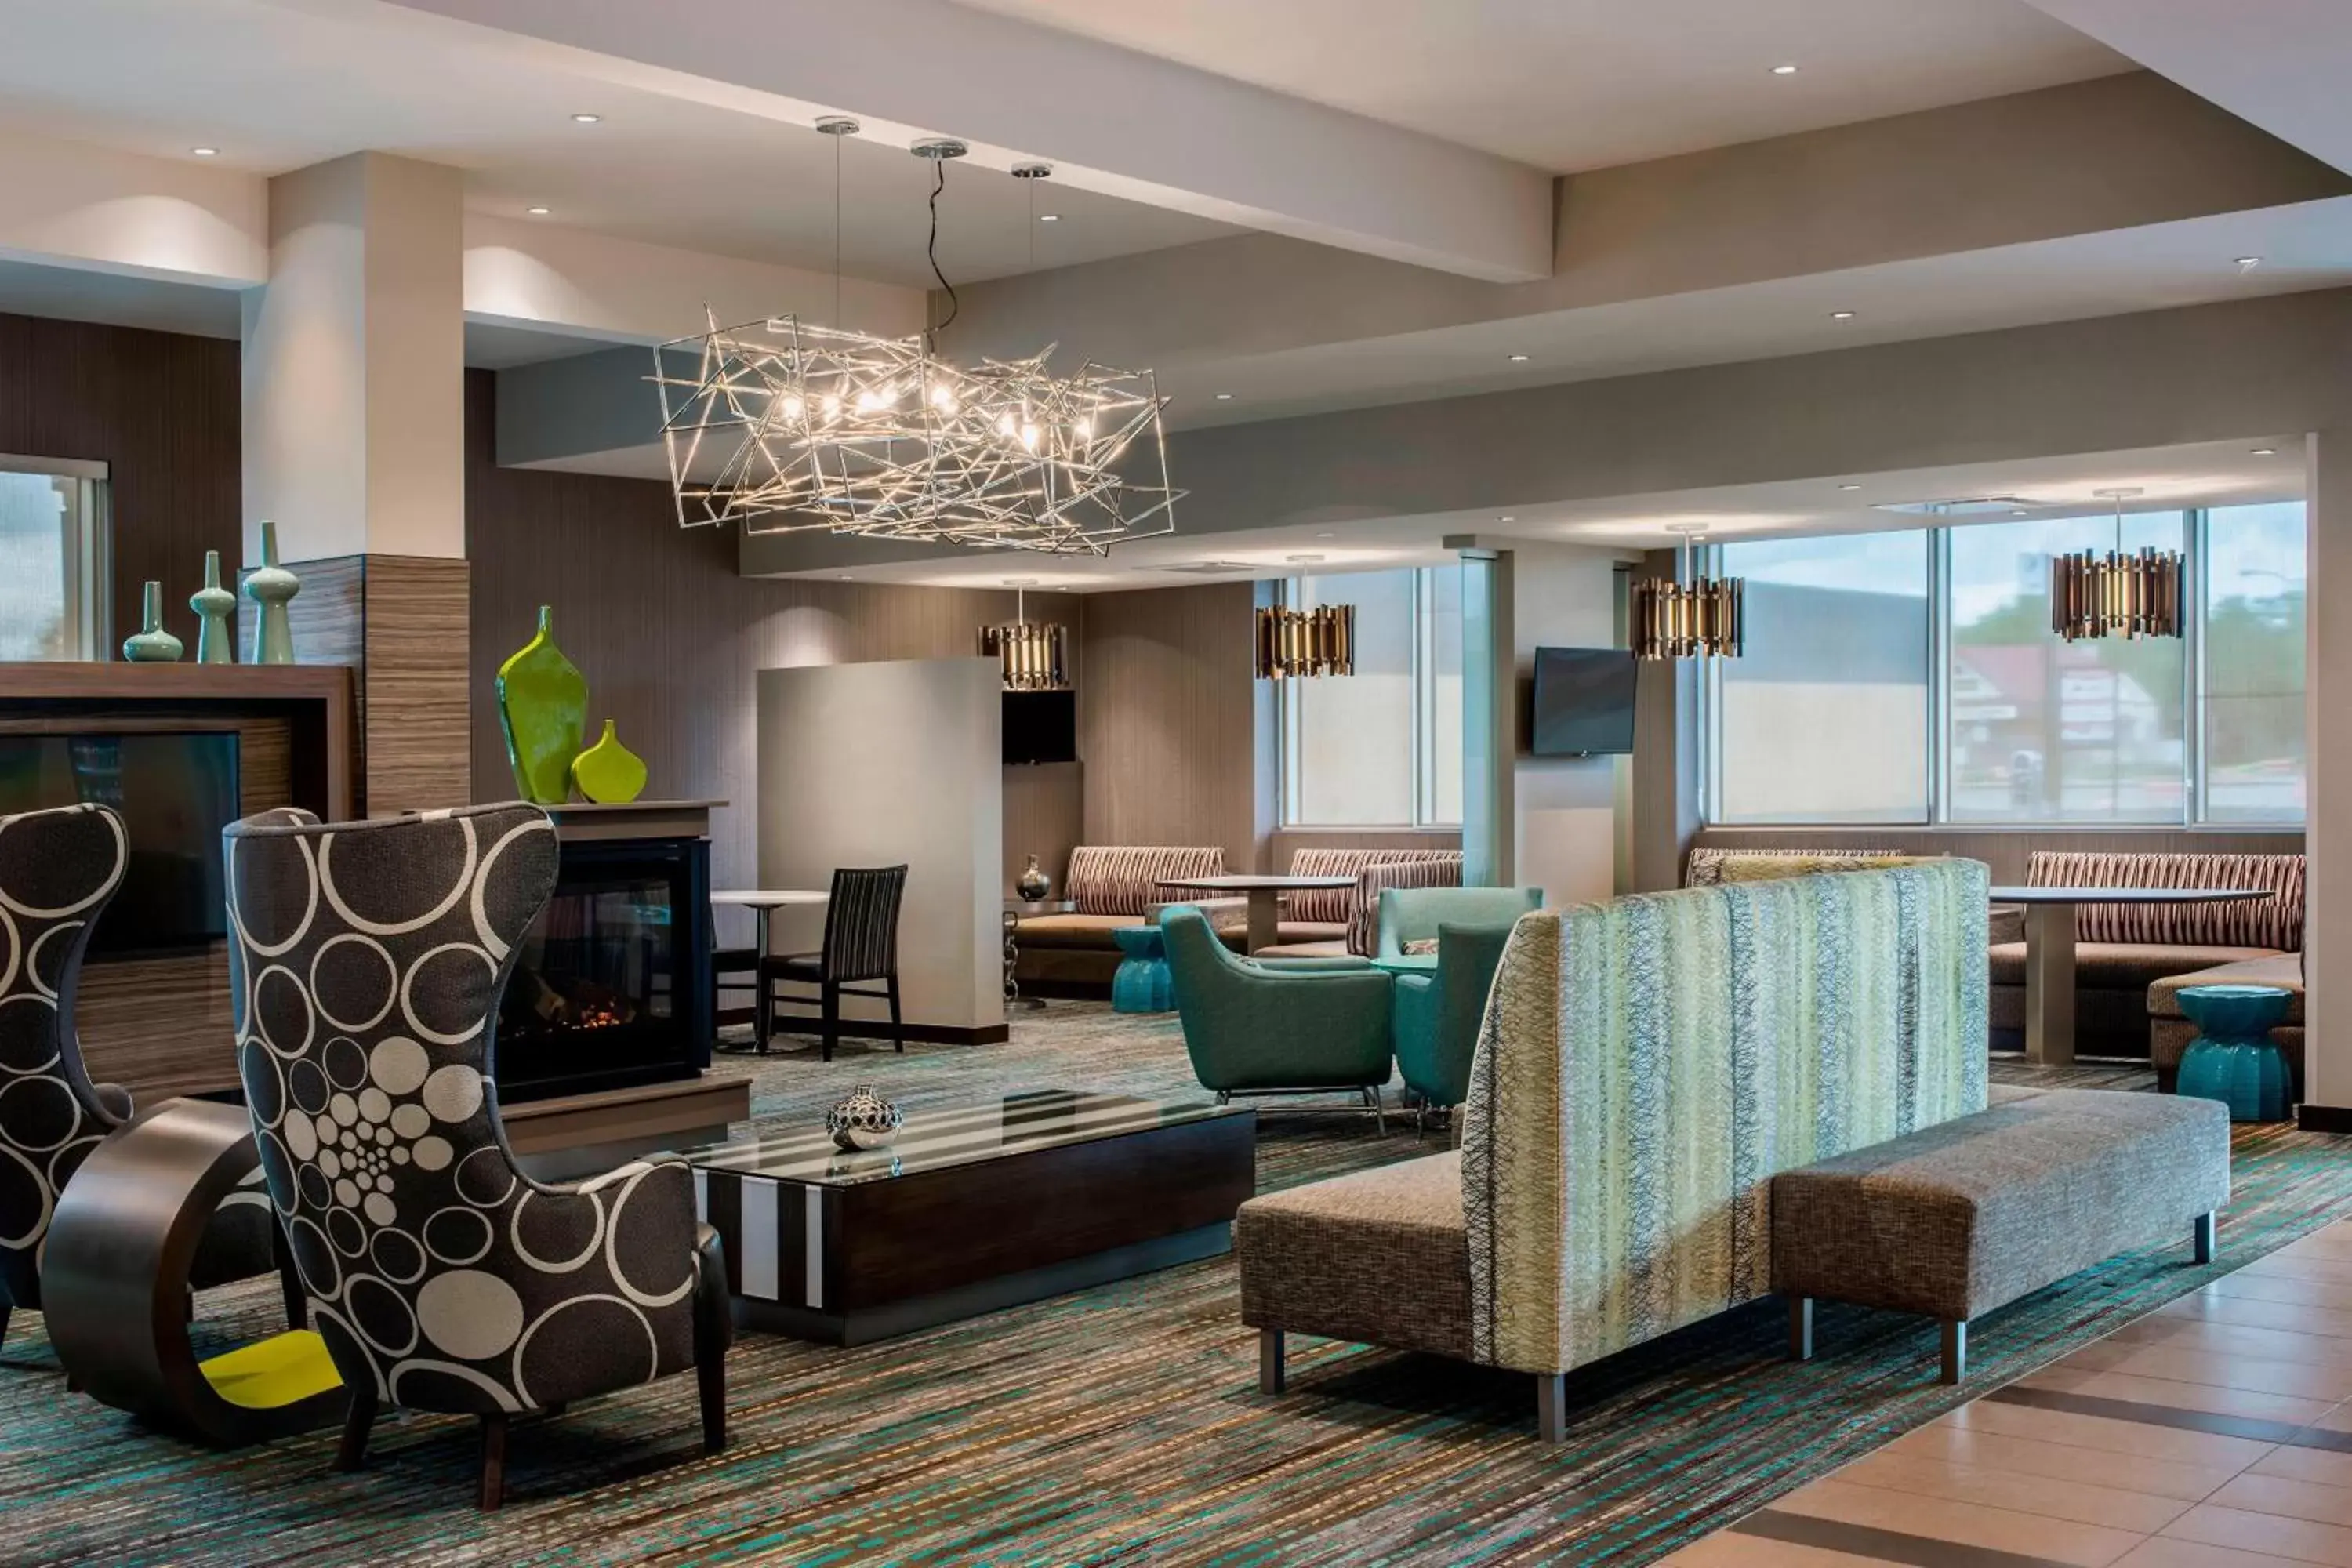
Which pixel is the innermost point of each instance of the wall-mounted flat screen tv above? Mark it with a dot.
(1041, 727)
(174, 793)
(1583, 702)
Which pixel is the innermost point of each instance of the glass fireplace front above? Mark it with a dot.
(612, 987)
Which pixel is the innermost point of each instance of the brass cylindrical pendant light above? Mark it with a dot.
(2137, 595)
(1701, 617)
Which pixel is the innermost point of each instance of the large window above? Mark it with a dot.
(1825, 717)
(52, 559)
(1912, 677)
(1382, 748)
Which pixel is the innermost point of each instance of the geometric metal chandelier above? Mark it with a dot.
(1688, 617)
(2116, 594)
(1294, 644)
(786, 426)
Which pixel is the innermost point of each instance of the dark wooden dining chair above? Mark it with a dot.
(861, 948)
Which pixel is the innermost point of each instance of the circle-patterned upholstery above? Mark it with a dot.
(367, 961)
(57, 869)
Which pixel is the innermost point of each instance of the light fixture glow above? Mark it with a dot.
(1840, 315)
(1784, 70)
(536, 212)
(1224, 398)
(204, 151)
(1049, 217)
(1849, 487)
(586, 119)
(1519, 359)
(2247, 263)
(2264, 452)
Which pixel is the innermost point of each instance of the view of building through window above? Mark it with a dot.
(45, 609)
(1841, 712)
(1382, 747)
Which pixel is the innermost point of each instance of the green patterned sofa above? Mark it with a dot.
(1645, 1067)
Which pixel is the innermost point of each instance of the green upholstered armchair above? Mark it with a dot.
(1277, 1027)
(1414, 914)
(1437, 1015)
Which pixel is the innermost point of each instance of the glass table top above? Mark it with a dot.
(966, 1135)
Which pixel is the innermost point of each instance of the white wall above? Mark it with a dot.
(1567, 819)
(875, 764)
(75, 205)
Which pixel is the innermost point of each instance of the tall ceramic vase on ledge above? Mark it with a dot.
(269, 586)
(543, 711)
(216, 609)
(152, 643)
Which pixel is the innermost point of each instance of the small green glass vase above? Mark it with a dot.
(153, 644)
(543, 710)
(608, 773)
(216, 609)
(270, 586)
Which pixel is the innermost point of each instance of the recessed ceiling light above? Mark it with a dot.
(205, 152)
(2247, 263)
(2265, 452)
(1519, 359)
(1049, 217)
(1840, 315)
(1224, 398)
(2021, 512)
(1849, 487)
(1784, 70)
(536, 212)
(1302, 560)
(586, 119)
(1325, 534)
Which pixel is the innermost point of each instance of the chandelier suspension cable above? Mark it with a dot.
(931, 251)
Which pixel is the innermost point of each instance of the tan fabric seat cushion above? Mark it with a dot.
(1304, 950)
(1071, 931)
(1959, 1219)
(1382, 1257)
(2285, 971)
(1289, 931)
(2122, 965)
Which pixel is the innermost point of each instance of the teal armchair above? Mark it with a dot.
(1437, 1015)
(1414, 914)
(1277, 1026)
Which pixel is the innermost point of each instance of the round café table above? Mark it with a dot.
(2050, 953)
(764, 902)
(1264, 895)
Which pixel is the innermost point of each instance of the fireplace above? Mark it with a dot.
(612, 988)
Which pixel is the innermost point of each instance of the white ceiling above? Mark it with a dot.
(2208, 474)
(277, 85)
(1581, 84)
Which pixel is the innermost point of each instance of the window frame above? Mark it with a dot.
(89, 554)
(1421, 761)
(2196, 535)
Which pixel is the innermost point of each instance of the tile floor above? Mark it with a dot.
(2215, 1432)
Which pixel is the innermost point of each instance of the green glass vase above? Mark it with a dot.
(543, 710)
(216, 609)
(608, 773)
(152, 643)
(269, 586)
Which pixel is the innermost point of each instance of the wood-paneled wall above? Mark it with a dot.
(164, 412)
(667, 633)
(1168, 720)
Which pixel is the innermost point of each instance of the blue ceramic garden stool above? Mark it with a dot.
(1142, 983)
(2233, 1058)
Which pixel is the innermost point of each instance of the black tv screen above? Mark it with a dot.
(175, 793)
(1041, 726)
(1583, 702)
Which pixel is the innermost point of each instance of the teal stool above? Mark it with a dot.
(1142, 983)
(2233, 1058)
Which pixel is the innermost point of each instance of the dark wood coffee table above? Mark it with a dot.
(971, 1210)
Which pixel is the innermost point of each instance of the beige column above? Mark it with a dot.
(2327, 836)
(354, 444)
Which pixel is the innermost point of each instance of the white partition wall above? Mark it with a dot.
(875, 764)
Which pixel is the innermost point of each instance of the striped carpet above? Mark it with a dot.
(1117, 1425)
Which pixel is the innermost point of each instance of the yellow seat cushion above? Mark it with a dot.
(280, 1370)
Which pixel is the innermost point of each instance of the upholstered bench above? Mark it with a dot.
(1959, 1219)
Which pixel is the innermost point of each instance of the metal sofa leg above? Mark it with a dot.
(1800, 1327)
(1956, 1349)
(1270, 1369)
(1552, 1406)
(2207, 1238)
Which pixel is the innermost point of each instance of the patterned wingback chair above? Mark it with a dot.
(57, 869)
(366, 962)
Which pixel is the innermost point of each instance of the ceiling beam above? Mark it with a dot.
(2279, 64)
(1108, 120)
